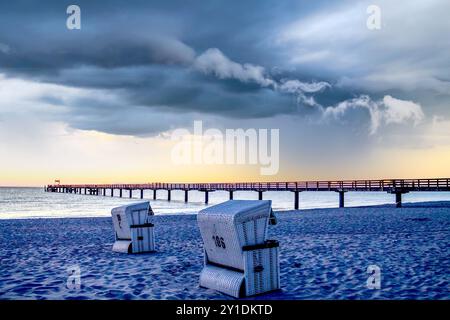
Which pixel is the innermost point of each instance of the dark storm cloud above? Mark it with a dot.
(142, 52)
(160, 57)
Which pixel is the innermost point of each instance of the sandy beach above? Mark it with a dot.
(324, 255)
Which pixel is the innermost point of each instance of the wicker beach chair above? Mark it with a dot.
(239, 260)
(134, 232)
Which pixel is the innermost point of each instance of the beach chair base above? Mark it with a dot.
(122, 246)
(224, 280)
(261, 272)
(142, 240)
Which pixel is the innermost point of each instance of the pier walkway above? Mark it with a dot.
(393, 186)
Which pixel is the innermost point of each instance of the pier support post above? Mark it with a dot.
(398, 196)
(142, 193)
(296, 199)
(154, 194)
(112, 192)
(186, 195)
(168, 195)
(260, 195)
(131, 193)
(341, 198)
(206, 196)
(398, 199)
(85, 190)
(231, 194)
(120, 193)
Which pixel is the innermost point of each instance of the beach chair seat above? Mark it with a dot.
(239, 260)
(133, 229)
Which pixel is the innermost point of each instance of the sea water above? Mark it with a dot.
(36, 203)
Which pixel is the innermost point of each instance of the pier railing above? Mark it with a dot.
(435, 184)
(394, 186)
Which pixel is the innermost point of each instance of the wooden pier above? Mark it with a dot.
(393, 186)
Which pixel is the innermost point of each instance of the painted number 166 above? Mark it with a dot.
(220, 243)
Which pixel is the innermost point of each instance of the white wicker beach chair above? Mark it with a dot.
(134, 231)
(239, 260)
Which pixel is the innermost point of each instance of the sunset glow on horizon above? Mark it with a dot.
(100, 104)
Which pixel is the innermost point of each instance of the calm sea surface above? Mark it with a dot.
(35, 203)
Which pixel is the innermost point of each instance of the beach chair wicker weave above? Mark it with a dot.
(239, 260)
(133, 229)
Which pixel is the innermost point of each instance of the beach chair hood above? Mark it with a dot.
(227, 227)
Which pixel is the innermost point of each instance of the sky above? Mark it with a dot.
(101, 104)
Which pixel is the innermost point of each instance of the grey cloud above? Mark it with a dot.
(232, 60)
(104, 53)
(386, 111)
(406, 54)
(215, 62)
